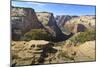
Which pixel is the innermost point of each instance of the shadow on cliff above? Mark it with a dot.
(61, 38)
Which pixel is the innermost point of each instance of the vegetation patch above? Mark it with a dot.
(36, 34)
(82, 37)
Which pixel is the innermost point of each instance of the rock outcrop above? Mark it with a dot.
(32, 52)
(50, 24)
(80, 24)
(44, 52)
(62, 19)
(82, 52)
(75, 28)
(23, 20)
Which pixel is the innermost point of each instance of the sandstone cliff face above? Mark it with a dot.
(80, 24)
(75, 28)
(50, 24)
(32, 52)
(75, 23)
(23, 20)
(62, 19)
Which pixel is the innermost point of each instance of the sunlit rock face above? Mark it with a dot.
(75, 23)
(31, 52)
(80, 24)
(62, 19)
(25, 19)
(49, 22)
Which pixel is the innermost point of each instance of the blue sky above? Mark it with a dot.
(57, 9)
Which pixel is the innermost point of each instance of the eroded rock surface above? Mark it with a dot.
(80, 24)
(44, 52)
(32, 52)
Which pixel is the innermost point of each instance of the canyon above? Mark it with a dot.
(72, 38)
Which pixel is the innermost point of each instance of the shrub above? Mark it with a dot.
(84, 36)
(36, 34)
